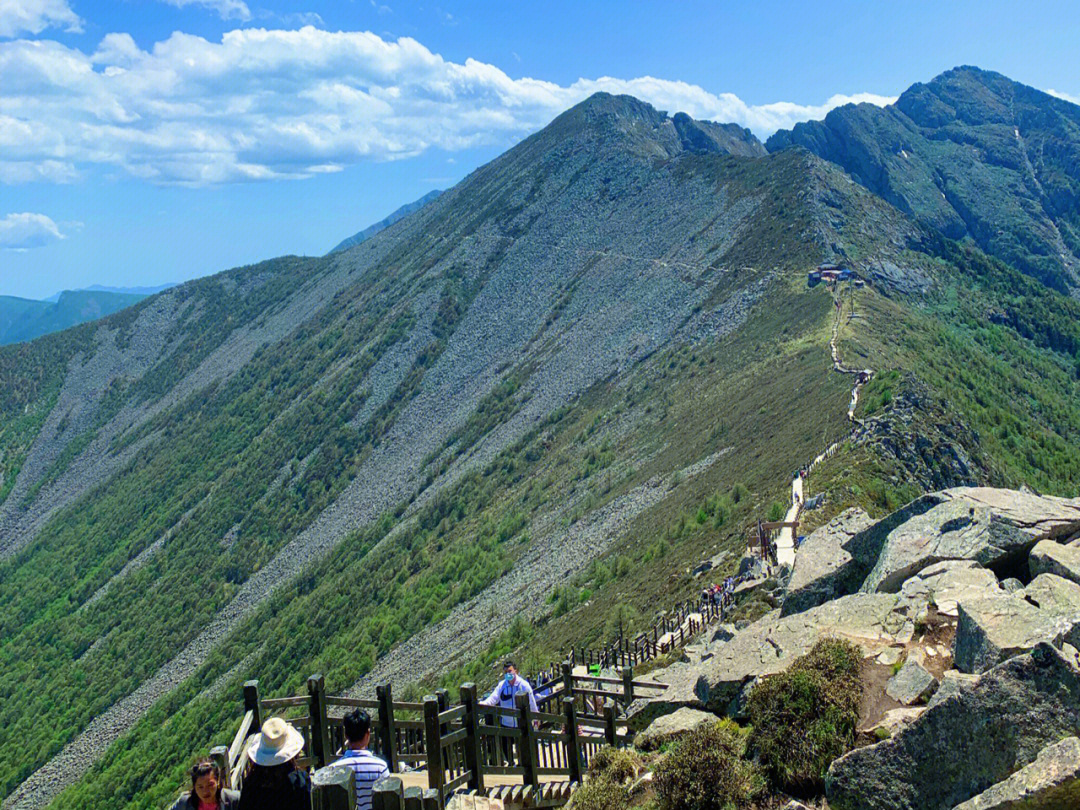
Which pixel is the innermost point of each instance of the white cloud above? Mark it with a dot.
(1065, 96)
(226, 9)
(25, 231)
(263, 104)
(34, 16)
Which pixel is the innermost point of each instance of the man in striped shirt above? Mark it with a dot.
(366, 767)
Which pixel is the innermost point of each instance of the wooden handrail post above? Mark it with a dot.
(333, 789)
(610, 729)
(568, 679)
(252, 704)
(628, 686)
(414, 798)
(320, 731)
(387, 730)
(219, 755)
(433, 745)
(431, 800)
(527, 741)
(474, 759)
(573, 749)
(387, 794)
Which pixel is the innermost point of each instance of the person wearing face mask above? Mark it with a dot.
(505, 695)
(208, 790)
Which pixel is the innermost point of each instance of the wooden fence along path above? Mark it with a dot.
(458, 746)
(468, 746)
(670, 632)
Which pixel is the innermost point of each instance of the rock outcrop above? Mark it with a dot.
(1051, 781)
(991, 629)
(817, 575)
(944, 584)
(874, 621)
(670, 727)
(952, 683)
(1048, 557)
(961, 746)
(993, 527)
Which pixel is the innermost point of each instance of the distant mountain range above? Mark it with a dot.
(25, 319)
(382, 224)
(122, 290)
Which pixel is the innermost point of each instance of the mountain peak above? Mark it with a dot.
(652, 131)
(955, 151)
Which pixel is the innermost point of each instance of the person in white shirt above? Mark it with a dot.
(366, 767)
(505, 695)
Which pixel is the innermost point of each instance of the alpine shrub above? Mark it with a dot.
(706, 770)
(805, 718)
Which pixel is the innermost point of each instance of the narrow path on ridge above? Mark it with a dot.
(785, 540)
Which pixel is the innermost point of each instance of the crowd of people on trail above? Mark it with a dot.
(721, 595)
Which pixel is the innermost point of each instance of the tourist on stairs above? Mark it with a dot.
(504, 695)
(208, 790)
(366, 767)
(273, 782)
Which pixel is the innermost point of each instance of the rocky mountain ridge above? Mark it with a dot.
(584, 366)
(971, 154)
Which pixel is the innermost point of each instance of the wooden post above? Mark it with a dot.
(527, 741)
(628, 686)
(320, 732)
(252, 704)
(433, 745)
(387, 731)
(414, 798)
(333, 789)
(387, 794)
(474, 757)
(573, 750)
(609, 722)
(431, 800)
(219, 755)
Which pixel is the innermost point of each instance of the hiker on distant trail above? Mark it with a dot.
(208, 790)
(504, 695)
(273, 782)
(366, 767)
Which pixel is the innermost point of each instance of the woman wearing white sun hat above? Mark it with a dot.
(273, 781)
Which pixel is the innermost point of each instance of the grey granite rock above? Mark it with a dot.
(964, 745)
(1048, 557)
(1052, 781)
(912, 684)
(819, 563)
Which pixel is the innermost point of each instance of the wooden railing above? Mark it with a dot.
(457, 745)
(670, 631)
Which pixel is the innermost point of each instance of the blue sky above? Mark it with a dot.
(147, 141)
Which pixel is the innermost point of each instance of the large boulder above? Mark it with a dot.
(1048, 557)
(820, 562)
(1051, 781)
(994, 527)
(670, 727)
(991, 629)
(958, 529)
(1054, 594)
(961, 746)
(944, 584)
(771, 644)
